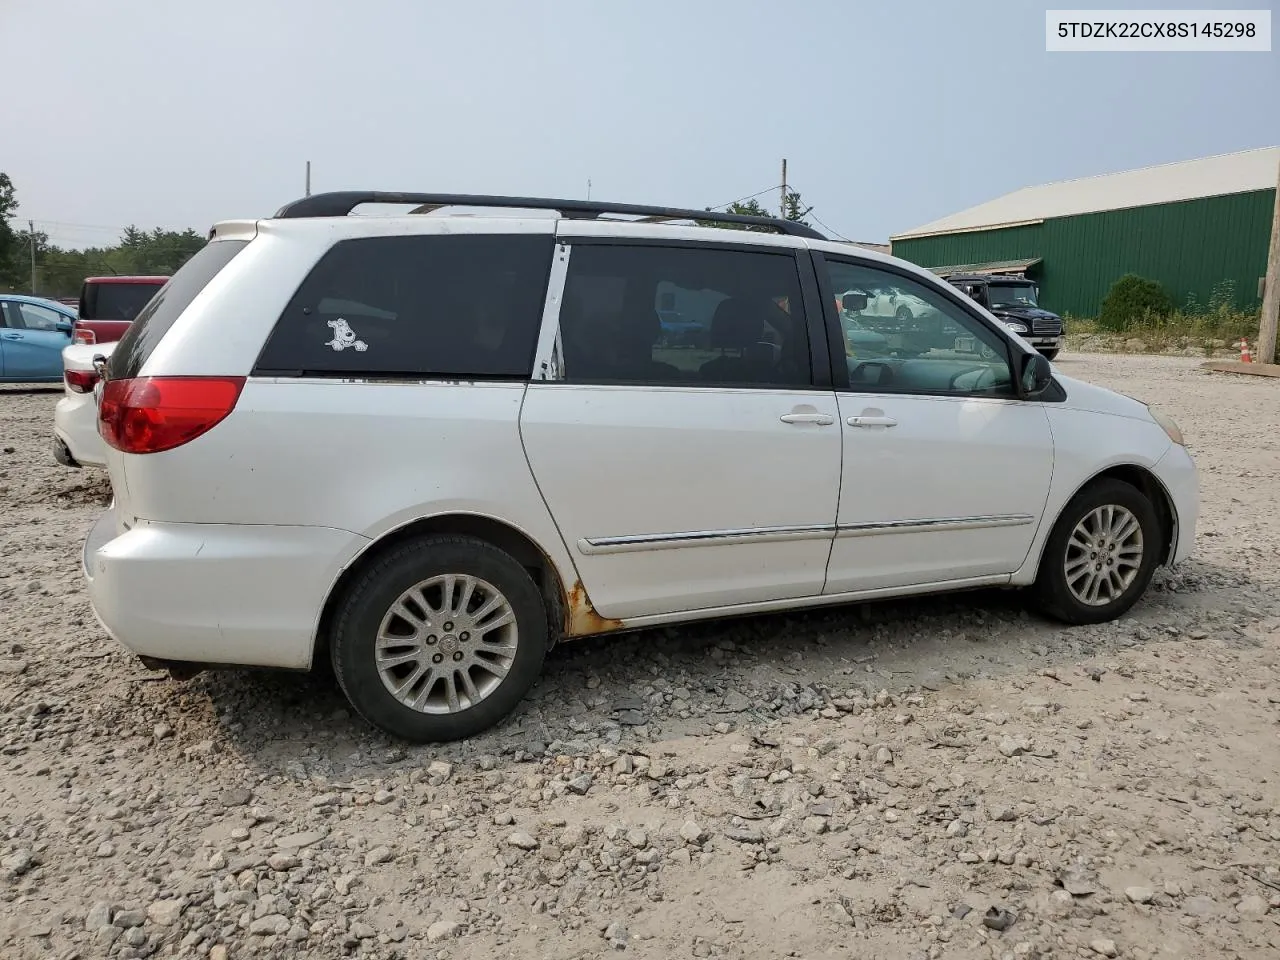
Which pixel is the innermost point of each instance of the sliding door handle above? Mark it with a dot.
(821, 419)
(872, 422)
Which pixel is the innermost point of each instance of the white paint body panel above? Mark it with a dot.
(622, 461)
(215, 593)
(983, 462)
(75, 416)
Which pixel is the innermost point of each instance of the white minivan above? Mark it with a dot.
(429, 446)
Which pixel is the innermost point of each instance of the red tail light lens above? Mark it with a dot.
(80, 381)
(152, 414)
(85, 336)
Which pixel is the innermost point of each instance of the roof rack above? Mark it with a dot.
(341, 203)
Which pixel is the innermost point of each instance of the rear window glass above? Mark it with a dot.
(435, 306)
(167, 305)
(117, 301)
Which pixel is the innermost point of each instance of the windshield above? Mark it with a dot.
(117, 301)
(1012, 294)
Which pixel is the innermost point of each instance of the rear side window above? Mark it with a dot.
(167, 305)
(435, 306)
(116, 301)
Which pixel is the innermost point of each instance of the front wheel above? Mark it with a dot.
(439, 639)
(1101, 555)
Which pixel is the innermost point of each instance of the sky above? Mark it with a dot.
(890, 113)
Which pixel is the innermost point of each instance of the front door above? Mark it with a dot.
(32, 342)
(695, 472)
(946, 472)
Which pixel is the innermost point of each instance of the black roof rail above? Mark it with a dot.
(341, 203)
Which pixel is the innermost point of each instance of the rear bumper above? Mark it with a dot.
(75, 427)
(214, 593)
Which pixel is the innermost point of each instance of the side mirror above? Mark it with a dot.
(854, 302)
(1035, 375)
(62, 326)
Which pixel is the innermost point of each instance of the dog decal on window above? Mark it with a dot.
(344, 336)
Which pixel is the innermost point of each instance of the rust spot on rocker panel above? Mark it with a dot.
(580, 617)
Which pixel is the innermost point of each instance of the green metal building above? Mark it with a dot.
(1200, 227)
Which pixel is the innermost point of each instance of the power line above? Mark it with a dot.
(809, 213)
(758, 193)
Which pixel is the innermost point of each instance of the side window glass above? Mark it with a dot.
(902, 337)
(438, 306)
(36, 317)
(683, 316)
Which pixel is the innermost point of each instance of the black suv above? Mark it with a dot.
(1012, 299)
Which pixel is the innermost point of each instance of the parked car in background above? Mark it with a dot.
(324, 441)
(76, 440)
(1013, 301)
(33, 332)
(109, 304)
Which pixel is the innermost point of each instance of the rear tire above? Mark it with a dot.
(1100, 556)
(439, 639)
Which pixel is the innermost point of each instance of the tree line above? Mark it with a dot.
(59, 272)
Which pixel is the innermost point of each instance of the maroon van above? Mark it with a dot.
(109, 304)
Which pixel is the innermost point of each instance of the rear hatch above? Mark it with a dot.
(124, 367)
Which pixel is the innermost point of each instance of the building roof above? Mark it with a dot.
(994, 266)
(1166, 183)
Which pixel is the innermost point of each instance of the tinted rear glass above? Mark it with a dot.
(436, 306)
(118, 301)
(167, 305)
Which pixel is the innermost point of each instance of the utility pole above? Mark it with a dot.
(588, 188)
(784, 190)
(31, 230)
(1271, 288)
(308, 178)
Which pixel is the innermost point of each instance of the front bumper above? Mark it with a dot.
(1177, 472)
(241, 594)
(1042, 343)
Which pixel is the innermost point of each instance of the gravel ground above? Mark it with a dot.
(941, 778)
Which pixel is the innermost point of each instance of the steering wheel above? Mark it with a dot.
(951, 384)
(885, 377)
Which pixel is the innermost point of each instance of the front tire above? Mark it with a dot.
(1051, 355)
(1100, 556)
(439, 639)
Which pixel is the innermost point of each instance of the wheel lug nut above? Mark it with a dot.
(437, 659)
(464, 635)
(431, 639)
(448, 626)
(458, 655)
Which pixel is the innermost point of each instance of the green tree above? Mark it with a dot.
(1134, 300)
(8, 242)
(794, 210)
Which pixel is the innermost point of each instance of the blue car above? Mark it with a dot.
(33, 332)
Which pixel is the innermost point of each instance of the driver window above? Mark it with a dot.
(902, 337)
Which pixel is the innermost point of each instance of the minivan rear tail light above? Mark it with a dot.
(85, 336)
(80, 381)
(152, 414)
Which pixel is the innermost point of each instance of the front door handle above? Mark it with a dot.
(12, 336)
(872, 422)
(821, 419)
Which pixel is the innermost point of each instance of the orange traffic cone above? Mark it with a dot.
(1245, 355)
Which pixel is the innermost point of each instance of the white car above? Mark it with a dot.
(428, 447)
(76, 441)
